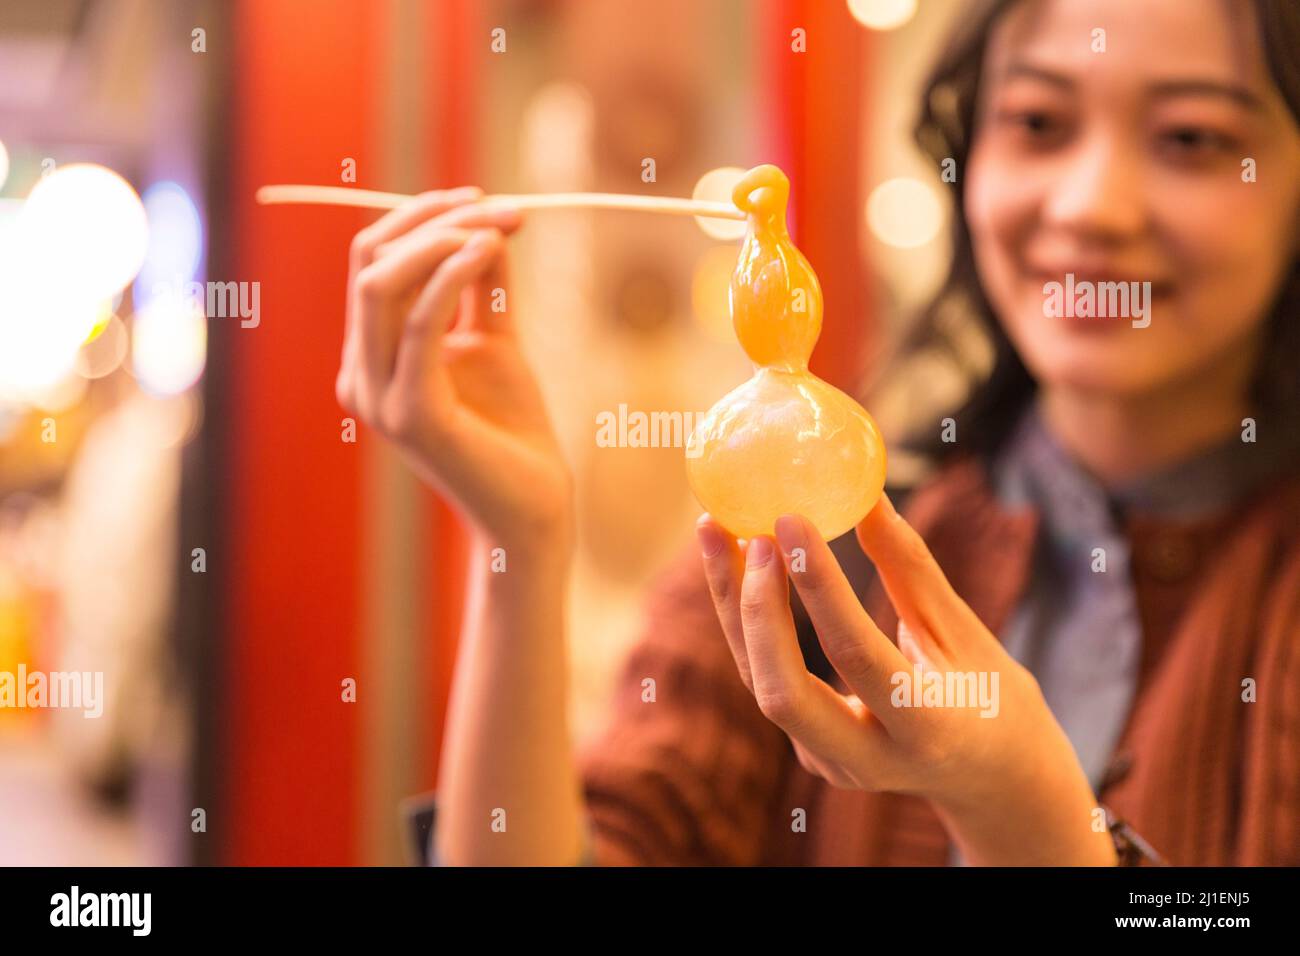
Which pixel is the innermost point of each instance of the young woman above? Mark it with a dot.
(1111, 542)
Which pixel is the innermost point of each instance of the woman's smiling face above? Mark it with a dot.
(1125, 164)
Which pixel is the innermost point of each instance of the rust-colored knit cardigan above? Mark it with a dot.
(699, 776)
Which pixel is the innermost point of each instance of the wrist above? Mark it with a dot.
(1048, 820)
(541, 547)
(520, 590)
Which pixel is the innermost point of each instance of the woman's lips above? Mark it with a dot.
(1044, 276)
(1065, 289)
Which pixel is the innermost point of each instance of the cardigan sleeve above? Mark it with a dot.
(687, 771)
(1270, 826)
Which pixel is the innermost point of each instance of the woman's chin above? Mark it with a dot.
(1105, 364)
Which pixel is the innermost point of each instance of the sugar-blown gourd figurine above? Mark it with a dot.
(784, 442)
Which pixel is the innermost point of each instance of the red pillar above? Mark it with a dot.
(815, 119)
(303, 98)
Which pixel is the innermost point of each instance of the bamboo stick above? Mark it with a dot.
(344, 196)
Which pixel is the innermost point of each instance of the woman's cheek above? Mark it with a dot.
(1227, 275)
(1000, 227)
(995, 213)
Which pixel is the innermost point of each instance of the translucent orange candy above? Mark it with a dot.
(784, 442)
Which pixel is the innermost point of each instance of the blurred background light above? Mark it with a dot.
(59, 396)
(716, 186)
(175, 249)
(558, 127)
(177, 419)
(4, 164)
(169, 345)
(103, 315)
(73, 245)
(83, 230)
(904, 213)
(40, 333)
(711, 292)
(103, 352)
(882, 14)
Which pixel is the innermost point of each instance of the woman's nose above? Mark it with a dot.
(1099, 192)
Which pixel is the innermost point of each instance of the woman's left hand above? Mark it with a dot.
(1000, 771)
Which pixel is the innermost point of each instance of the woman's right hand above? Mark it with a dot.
(431, 360)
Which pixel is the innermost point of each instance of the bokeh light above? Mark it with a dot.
(882, 14)
(40, 333)
(558, 129)
(716, 186)
(904, 213)
(78, 240)
(103, 316)
(103, 353)
(710, 292)
(83, 229)
(169, 345)
(176, 419)
(60, 395)
(4, 164)
(175, 248)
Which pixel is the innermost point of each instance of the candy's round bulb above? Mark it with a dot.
(784, 442)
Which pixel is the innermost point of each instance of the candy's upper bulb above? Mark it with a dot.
(776, 301)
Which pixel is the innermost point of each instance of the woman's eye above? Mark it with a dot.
(1034, 122)
(1194, 142)
(1034, 126)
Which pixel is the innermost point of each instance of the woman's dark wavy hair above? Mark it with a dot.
(944, 130)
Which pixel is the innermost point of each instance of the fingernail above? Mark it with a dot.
(760, 552)
(711, 540)
(790, 534)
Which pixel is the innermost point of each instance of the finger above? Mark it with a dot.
(916, 585)
(398, 272)
(399, 221)
(485, 299)
(397, 266)
(423, 208)
(400, 266)
(431, 315)
(404, 218)
(802, 705)
(858, 650)
(404, 265)
(811, 762)
(863, 757)
(921, 650)
(384, 291)
(724, 569)
(466, 217)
